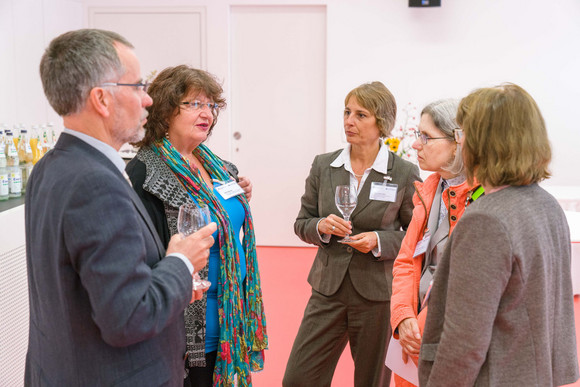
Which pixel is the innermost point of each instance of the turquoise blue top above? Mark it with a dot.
(236, 213)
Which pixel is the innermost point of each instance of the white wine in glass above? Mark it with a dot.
(190, 219)
(345, 200)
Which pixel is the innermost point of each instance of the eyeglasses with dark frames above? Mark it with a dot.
(197, 105)
(424, 138)
(141, 86)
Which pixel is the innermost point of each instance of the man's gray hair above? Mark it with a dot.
(77, 61)
(443, 113)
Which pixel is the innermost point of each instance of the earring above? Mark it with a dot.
(167, 135)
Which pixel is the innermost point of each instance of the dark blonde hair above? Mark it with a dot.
(378, 100)
(168, 90)
(506, 142)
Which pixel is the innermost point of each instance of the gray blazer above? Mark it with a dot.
(501, 310)
(105, 309)
(372, 277)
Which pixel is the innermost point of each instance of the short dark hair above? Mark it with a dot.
(168, 90)
(77, 61)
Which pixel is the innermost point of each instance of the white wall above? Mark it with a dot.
(26, 27)
(426, 54)
(421, 54)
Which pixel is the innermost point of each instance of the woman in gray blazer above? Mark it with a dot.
(501, 310)
(351, 282)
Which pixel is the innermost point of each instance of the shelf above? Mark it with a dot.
(11, 203)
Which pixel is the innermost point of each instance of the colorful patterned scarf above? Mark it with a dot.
(243, 337)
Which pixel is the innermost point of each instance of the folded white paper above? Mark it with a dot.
(394, 361)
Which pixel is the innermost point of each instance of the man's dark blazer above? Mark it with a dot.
(105, 309)
(372, 277)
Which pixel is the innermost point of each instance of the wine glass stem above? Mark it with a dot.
(347, 217)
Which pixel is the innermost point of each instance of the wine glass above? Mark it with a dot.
(190, 219)
(345, 200)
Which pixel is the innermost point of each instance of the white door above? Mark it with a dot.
(277, 107)
(162, 36)
(274, 124)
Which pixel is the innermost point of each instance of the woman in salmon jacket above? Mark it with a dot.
(439, 203)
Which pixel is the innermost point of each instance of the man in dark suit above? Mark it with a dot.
(106, 299)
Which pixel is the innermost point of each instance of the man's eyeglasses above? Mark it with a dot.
(197, 105)
(142, 86)
(458, 133)
(424, 138)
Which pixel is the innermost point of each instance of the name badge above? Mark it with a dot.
(383, 192)
(229, 190)
(422, 244)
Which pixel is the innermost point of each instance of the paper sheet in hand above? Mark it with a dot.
(394, 361)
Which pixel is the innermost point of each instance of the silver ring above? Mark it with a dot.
(333, 227)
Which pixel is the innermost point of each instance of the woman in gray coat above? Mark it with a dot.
(501, 310)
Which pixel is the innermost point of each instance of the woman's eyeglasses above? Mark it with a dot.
(197, 105)
(424, 138)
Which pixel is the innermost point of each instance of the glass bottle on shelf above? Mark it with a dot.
(24, 149)
(4, 182)
(2, 130)
(16, 135)
(2, 146)
(10, 150)
(25, 157)
(13, 167)
(15, 182)
(36, 153)
(53, 135)
(45, 139)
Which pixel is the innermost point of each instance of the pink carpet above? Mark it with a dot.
(286, 291)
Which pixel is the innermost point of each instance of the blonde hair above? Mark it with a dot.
(506, 142)
(378, 100)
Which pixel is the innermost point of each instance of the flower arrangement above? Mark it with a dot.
(151, 76)
(402, 135)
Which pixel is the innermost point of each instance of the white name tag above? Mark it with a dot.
(229, 190)
(422, 245)
(383, 192)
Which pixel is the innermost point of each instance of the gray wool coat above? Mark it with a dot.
(501, 308)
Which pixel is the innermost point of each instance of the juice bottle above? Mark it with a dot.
(34, 144)
(16, 135)
(4, 182)
(13, 168)
(25, 158)
(11, 152)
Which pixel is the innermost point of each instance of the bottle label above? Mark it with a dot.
(15, 183)
(4, 184)
(12, 152)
